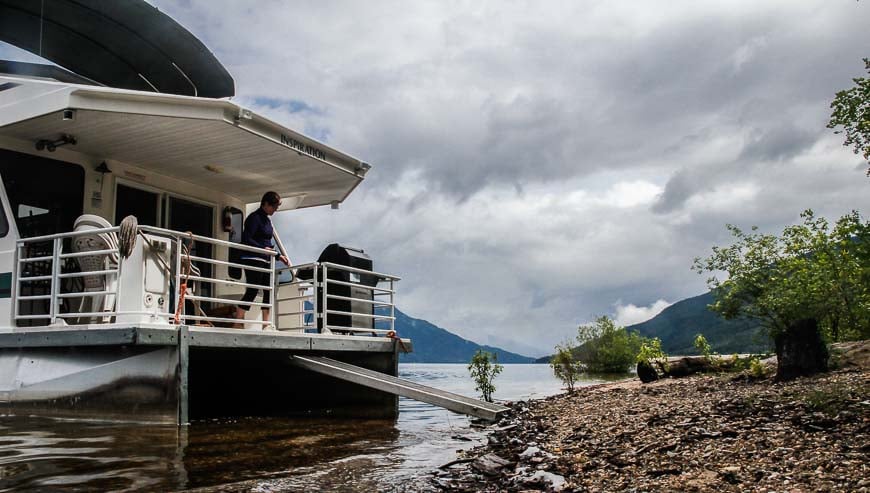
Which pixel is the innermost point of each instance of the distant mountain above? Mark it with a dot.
(678, 324)
(432, 344)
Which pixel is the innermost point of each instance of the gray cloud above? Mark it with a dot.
(539, 164)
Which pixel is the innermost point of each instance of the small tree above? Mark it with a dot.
(808, 284)
(607, 347)
(851, 111)
(483, 369)
(651, 360)
(565, 367)
(704, 347)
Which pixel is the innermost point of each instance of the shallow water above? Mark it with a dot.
(257, 454)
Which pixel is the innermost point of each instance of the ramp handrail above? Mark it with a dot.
(394, 385)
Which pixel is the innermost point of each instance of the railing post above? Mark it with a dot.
(16, 283)
(325, 306)
(315, 283)
(179, 303)
(392, 305)
(117, 304)
(273, 305)
(55, 262)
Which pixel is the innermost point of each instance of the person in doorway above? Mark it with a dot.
(259, 232)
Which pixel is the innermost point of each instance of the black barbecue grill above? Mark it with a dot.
(357, 287)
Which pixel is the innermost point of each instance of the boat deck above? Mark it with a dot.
(213, 337)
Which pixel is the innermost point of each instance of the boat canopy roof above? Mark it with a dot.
(210, 142)
(118, 43)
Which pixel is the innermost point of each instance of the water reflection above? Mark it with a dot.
(254, 454)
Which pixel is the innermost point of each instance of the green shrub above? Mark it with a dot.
(606, 347)
(565, 367)
(703, 346)
(756, 368)
(651, 353)
(483, 369)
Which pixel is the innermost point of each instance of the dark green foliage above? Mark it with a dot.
(851, 111)
(606, 347)
(811, 271)
(677, 325)
(807, 286)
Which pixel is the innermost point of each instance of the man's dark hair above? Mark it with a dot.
(270, 198)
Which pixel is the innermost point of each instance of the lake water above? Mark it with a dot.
(257, 454)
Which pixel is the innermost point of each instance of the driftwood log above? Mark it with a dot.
(683, 366)
(689, 365)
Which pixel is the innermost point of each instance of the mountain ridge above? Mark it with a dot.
(679, 324)
(433, 344)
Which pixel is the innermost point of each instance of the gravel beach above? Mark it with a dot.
(723, 432)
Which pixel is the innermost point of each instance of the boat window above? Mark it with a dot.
(185, 215)
(45, 195)
(143, 204)
(25, 210)
(234, 219)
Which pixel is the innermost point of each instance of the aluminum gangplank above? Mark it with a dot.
(404, 388)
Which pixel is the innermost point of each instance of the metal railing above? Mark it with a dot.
(183, 276)
(43, 280)
(33, 269)
(334, 298)
(322, 296)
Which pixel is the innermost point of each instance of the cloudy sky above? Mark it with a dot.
(540, 163)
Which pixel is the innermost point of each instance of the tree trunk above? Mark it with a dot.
(800, 351)
(646, 372)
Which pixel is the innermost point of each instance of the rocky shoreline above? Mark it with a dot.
(725, 432)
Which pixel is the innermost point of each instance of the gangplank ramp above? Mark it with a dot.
(388, 383)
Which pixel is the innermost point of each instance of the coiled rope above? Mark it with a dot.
(127, 235)
(129, 229)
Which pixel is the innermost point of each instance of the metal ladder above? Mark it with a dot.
(388, 383)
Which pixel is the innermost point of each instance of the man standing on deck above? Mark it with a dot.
(259, 232)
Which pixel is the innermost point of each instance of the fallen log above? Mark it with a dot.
(683, 366)
(688, 365)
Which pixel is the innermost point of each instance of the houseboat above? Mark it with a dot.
(127, 171)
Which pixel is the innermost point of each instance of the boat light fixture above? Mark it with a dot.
(334, 205)
(103, 168)
(245, 114)
(52, 145)
(68, 115)
(363, 168)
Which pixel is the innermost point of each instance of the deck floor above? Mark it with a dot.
(168, 335)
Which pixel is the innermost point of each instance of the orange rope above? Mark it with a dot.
(392, 335)
(182, 289)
